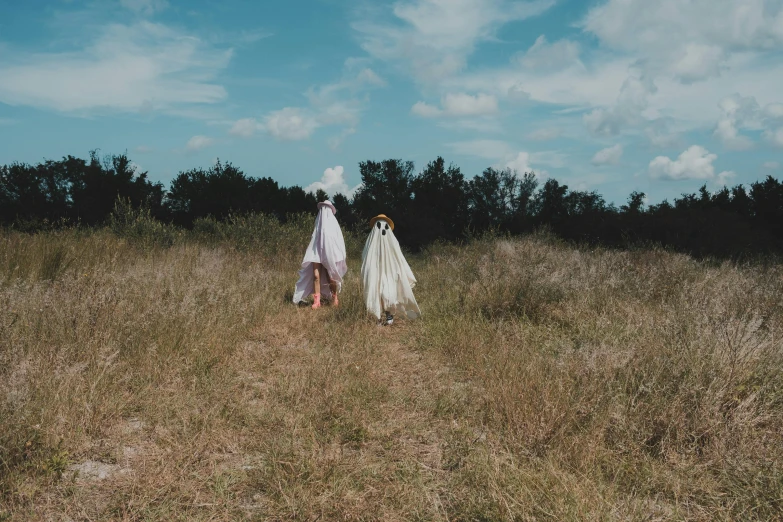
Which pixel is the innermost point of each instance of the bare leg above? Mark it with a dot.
(333, 288)
(316, 285)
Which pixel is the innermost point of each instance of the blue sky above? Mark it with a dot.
(605, 95)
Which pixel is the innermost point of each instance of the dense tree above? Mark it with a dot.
(295, 200)
(263, 195)
(550, 204)
(767, 204)
(95, 186)
(635, 203)
(214, 192)
(223, 189)
(499, 199)
(74, 189)
(345, 212)
(386, 189)
(439, 202)
(321, 195)
(33, 193)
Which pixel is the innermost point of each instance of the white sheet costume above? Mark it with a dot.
(327, 247)
(387, 279)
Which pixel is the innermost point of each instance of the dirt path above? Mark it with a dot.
(368, 408)
(306, 420)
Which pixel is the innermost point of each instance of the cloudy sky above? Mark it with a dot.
(605, 95)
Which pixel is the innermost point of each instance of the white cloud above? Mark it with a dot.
(523, 162)
(774, 111)
(458, 104)
(504, 155)
(694, 163)
(694, 105)
(631, 103)
(677, 44)
(482, 125)
(425, 110)
(466, 105)
(338, 112)
(335, 141)
(639, 78)
(725, 176)
(727, 132)
(433, 38)
(659, 70)
(689, 40)
(550, 158)
(488, 149)
(146, 7)
(369, 77)
(628, 99)
(517, 93)
(143, 149)
(744, 109)
(127, 68)
(771, 165)
(598, 85)
(543, 55)
(245, 127)
(661, 136)
(608, 156)
(333, 182)
(745, 113)
(198, 142)
(544, 134)
(335, 103)
(775, 137)
(698, 62)
(290, 124)
(250, 36)
(135, 167)
(520, 163)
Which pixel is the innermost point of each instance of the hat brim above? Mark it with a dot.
(383, 217)
(327, 204)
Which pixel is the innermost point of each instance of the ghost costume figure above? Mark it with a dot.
(325, 253)
(387, 279)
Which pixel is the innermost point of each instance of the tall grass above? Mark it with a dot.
(543, 382)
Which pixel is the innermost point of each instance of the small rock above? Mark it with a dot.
(93, 470)
(129, 451)
(135, 424)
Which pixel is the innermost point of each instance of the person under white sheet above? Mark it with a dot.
(387, 278)
(324, 263)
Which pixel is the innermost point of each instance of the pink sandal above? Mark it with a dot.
(316, 301)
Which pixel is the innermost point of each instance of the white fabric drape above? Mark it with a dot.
(386, 276)
(327, 247)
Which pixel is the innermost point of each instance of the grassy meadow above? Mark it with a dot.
(148, 373)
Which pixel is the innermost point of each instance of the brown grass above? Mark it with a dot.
(544, 382)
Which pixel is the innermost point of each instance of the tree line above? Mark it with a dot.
(437, 203)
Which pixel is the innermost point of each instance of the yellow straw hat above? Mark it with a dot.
(381, 216)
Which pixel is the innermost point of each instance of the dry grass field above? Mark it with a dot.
(151, 374)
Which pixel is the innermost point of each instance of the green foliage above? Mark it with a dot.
(138, 225)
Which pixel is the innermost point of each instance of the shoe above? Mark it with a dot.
(335, 301)
(389, 319)
(316, 301)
